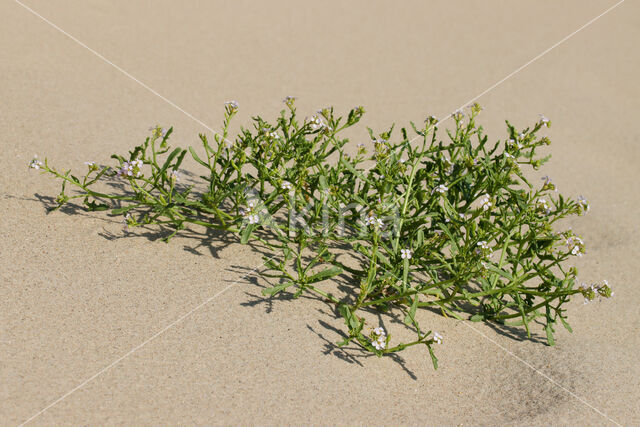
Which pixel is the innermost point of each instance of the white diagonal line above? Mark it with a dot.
(183, 317)
(545, 376)
(136, 348)
(531, 61)
(168, 101)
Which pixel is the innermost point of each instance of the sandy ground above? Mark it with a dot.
(88, 316)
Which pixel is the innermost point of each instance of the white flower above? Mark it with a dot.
(379, 331)
(379, 344)
(89, 163)
(595, 290)
(251, 204)
(485, 202)
(273, 134)
(174, 175)
(130, 169)
(35, 163)
(450, 166)
(513, 143)
(286, 185)
(437, 337)
(406, 253)
(253, 218)
(316, 123)
(483, 249)
(373, 220)
(232, 106)
(584, 203)
(128, 221)
(440, 189)
(541, 204)
(458, 114)
(379, 338)
(544, 120)
(575, 245)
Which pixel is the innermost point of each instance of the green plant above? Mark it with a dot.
(407, 223)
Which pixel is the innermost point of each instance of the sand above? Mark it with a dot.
(101, 328)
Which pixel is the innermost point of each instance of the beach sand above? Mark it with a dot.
(99, 327)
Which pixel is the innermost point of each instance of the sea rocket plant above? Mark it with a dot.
(419, 222)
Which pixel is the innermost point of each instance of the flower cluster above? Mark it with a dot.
(405, 253)
(583, 205)
(595, 290)
(440, 189)
(574, 243)
(35, 163)
(378, 338)
(437, 338)
(483, 250)
(251, 214)
(131, 169)
(485, 202)
(542, 206)
(316, 123)
(174, 175)
(374, 221)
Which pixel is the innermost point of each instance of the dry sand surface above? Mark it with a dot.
(88, 329)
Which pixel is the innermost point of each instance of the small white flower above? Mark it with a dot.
(379, 344)
(485, 202)
(35, 163)
(316, 123)
(158, 132)
(89, 163)
(286, 185)
(289, 100)
(251, 204)
(379, 338)
(483, 249)
(584, 203)
(437, 338)
(544, 120)
(405, 253)
(458, 114)
(575, 245)
(232, 106)
(274, 135)
(440, 189)
(174, 175)
(131, 169)
(374, 221)
(514, 143)
(253, 218)
(541, 204)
